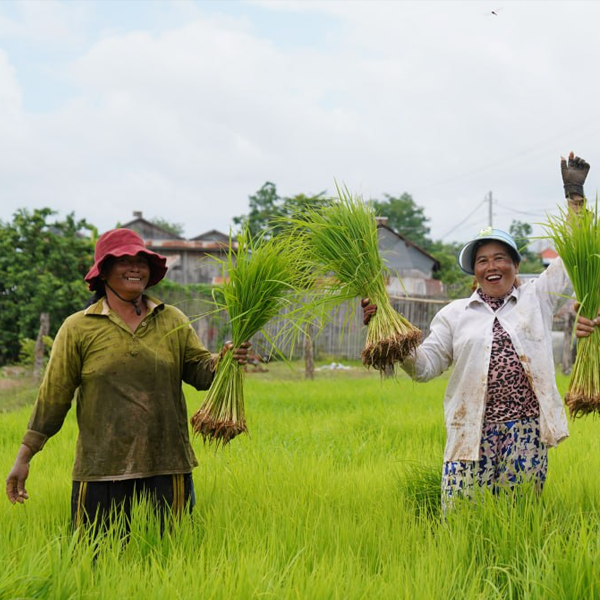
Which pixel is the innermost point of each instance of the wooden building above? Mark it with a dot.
(189, 261)
(411, 267)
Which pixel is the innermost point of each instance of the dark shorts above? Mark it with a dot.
(100, 502)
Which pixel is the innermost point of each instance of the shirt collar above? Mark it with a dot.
(495, 299)
(101, 306)
(476, 296)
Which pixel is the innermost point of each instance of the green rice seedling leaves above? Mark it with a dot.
(576, 237)
(341, 244)
(420, 482)
(261, 277)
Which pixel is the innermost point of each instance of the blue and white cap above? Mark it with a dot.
(466, 257)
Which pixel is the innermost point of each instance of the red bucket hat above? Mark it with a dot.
(124, 242)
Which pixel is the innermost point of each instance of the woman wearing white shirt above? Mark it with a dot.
(502, 408)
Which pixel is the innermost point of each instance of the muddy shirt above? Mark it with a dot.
(462, 335)
(131, 409)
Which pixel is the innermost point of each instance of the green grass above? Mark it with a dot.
(15, 393)
(333, 495)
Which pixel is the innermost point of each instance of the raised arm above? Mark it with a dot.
(574, 172)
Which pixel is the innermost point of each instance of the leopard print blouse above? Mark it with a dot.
(510, 396)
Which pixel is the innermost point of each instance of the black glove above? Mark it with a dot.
(573, 175)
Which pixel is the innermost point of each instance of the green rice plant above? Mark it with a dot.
(260, 278)
(316, 509)
(341, 239)
(421, 483)
(576, 237)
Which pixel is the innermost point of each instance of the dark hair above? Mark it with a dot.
(98, 293)
(100, 289)
(479, 243)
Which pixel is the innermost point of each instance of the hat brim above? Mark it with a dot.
(158, 265)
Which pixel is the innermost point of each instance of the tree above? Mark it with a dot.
(264, 207)
(42, 265)
(405, 217)
(457, 283)
(174, 228)
(521, 232)
(268, 210)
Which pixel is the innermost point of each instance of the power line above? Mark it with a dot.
(537, 149)
(535, 212)
(465, 219)
(520, 212)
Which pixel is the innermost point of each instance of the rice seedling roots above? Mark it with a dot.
(580, 404)
(384, 354)
(217, 431)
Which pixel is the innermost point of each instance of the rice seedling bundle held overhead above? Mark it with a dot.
(341, 239)
(260, 278)
(576, 237)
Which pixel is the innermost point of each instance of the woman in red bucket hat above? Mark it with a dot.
(124, 359)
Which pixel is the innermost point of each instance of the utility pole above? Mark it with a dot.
(490, 214)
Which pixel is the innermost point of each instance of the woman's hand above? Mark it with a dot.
(15, 482)
(241, 354)
(585, 327)
(369, 310)
(574, 173)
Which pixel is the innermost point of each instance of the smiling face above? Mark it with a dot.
(127, 275)
(495, 269)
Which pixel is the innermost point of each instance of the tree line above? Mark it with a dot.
(43, 259)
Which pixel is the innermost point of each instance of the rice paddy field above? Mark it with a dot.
(333, 495)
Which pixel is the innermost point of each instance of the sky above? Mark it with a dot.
(182, 109)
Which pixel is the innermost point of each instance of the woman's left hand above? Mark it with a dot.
(241, 354)
(574, 173)
(584, 327)
(369, 310)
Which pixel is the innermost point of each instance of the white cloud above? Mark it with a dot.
(10, 93)
(442, 100)
(47, 20)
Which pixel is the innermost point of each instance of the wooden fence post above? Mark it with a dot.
(38, 353)
(309, 358)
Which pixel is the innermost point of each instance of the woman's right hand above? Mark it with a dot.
(15, 482)
(369, 310)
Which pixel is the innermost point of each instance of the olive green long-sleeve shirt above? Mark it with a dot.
(131, 409)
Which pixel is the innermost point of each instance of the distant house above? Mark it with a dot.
(548, 255)
(411, 267)
(189, 261)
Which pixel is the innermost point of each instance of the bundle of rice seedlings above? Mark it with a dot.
(420, 484)
(341, 239)
(260, 278)
(576, 237)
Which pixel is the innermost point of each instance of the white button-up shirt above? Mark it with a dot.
(461, 334)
